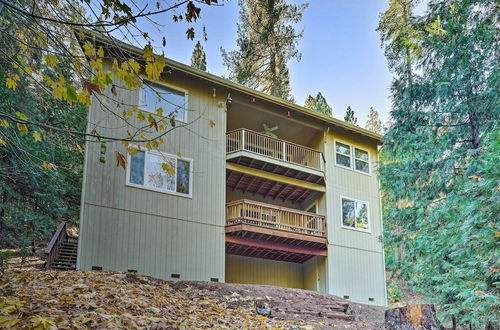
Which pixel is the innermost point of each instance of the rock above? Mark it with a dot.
(154, 310)
(412, 317)
(264, 311)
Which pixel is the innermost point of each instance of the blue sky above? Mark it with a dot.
(341, 53)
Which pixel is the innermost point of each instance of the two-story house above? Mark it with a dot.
(264, 191)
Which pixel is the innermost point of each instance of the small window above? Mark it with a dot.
(146, 169)
(361, 160)
(154, 97)
(355, 214)
(342, 154)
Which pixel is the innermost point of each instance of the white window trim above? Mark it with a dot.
(175, 193)
(353, 157)
(175, 88)
(369, 230)
(335, 155)
(354, 161)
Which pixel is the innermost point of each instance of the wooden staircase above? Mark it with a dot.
(62, 250)
(66, 256)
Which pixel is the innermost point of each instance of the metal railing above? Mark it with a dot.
(275, 217)
(244, 139)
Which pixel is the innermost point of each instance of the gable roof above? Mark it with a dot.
(120, 47)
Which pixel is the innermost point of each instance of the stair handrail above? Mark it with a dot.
(59, 237)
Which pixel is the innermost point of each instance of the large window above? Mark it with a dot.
(355, 214)
(160, 172)
(153, 97)
(343, 154)
(361, 160)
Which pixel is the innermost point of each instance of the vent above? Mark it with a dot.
(96, 268)
(175, 275)
(214, 279)
(132, 270)
(371, 299)
(346, 297)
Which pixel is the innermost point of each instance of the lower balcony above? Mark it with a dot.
(267, 231)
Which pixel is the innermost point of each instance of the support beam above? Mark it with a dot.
(238, 183)
(275, 246)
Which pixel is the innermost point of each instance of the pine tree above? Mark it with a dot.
(349, 116)
(318, 104)
(199, 58)
(267, 40)
(373, 123)
(441, 167)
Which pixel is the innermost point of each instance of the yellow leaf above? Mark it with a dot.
(37, 136)
(8, 309)
(179, 155)
(140, 116)
(51, 60)
(132, 151)
(3, 141)
(211, 123)
(41, 323)
(89, 49)
(10, 83)
(49, 166)
(134, 65)
(100, 52)
(21, 115)
(148, 146)
(22, 127)
(120, 160)
(8, 321)
(148, 52)
(168, 168)
(155, 68)
(84, 97)
(159, 112)
(4, 123)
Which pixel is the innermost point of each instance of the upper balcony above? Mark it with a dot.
(267, 231)
(266, 153)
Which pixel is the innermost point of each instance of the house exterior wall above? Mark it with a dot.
(127, 228)
(155, 233)
(355, 258)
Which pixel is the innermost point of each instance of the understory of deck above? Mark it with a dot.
(275, 244)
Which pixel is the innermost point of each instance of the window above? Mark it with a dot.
(361, 160)
(343, 154)
(354, 214)
(153, 97)
(146, 170)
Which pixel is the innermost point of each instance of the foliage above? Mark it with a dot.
(267, 40)
(394, 291)
(349, 116)
(199, 58)
(373, 122)
(444, 146)
(318, 104)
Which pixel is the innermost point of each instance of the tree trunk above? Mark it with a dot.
(420, 316)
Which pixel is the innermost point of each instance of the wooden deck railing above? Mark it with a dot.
(59, 237)
(275, 217)
(244, 139)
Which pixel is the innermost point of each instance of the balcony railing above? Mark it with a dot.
(244, 139)
(275, 217)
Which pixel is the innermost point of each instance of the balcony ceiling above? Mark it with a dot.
(290, 129)
(266, 188)
(256, 242)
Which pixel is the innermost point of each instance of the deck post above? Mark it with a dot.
(284, 150)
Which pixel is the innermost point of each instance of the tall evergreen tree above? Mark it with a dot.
(443, 145)
(373, 122)
(267, 40)
(349, 116)
(199, 58)
(318, 104)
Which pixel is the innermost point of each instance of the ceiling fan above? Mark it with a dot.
(269, 130)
